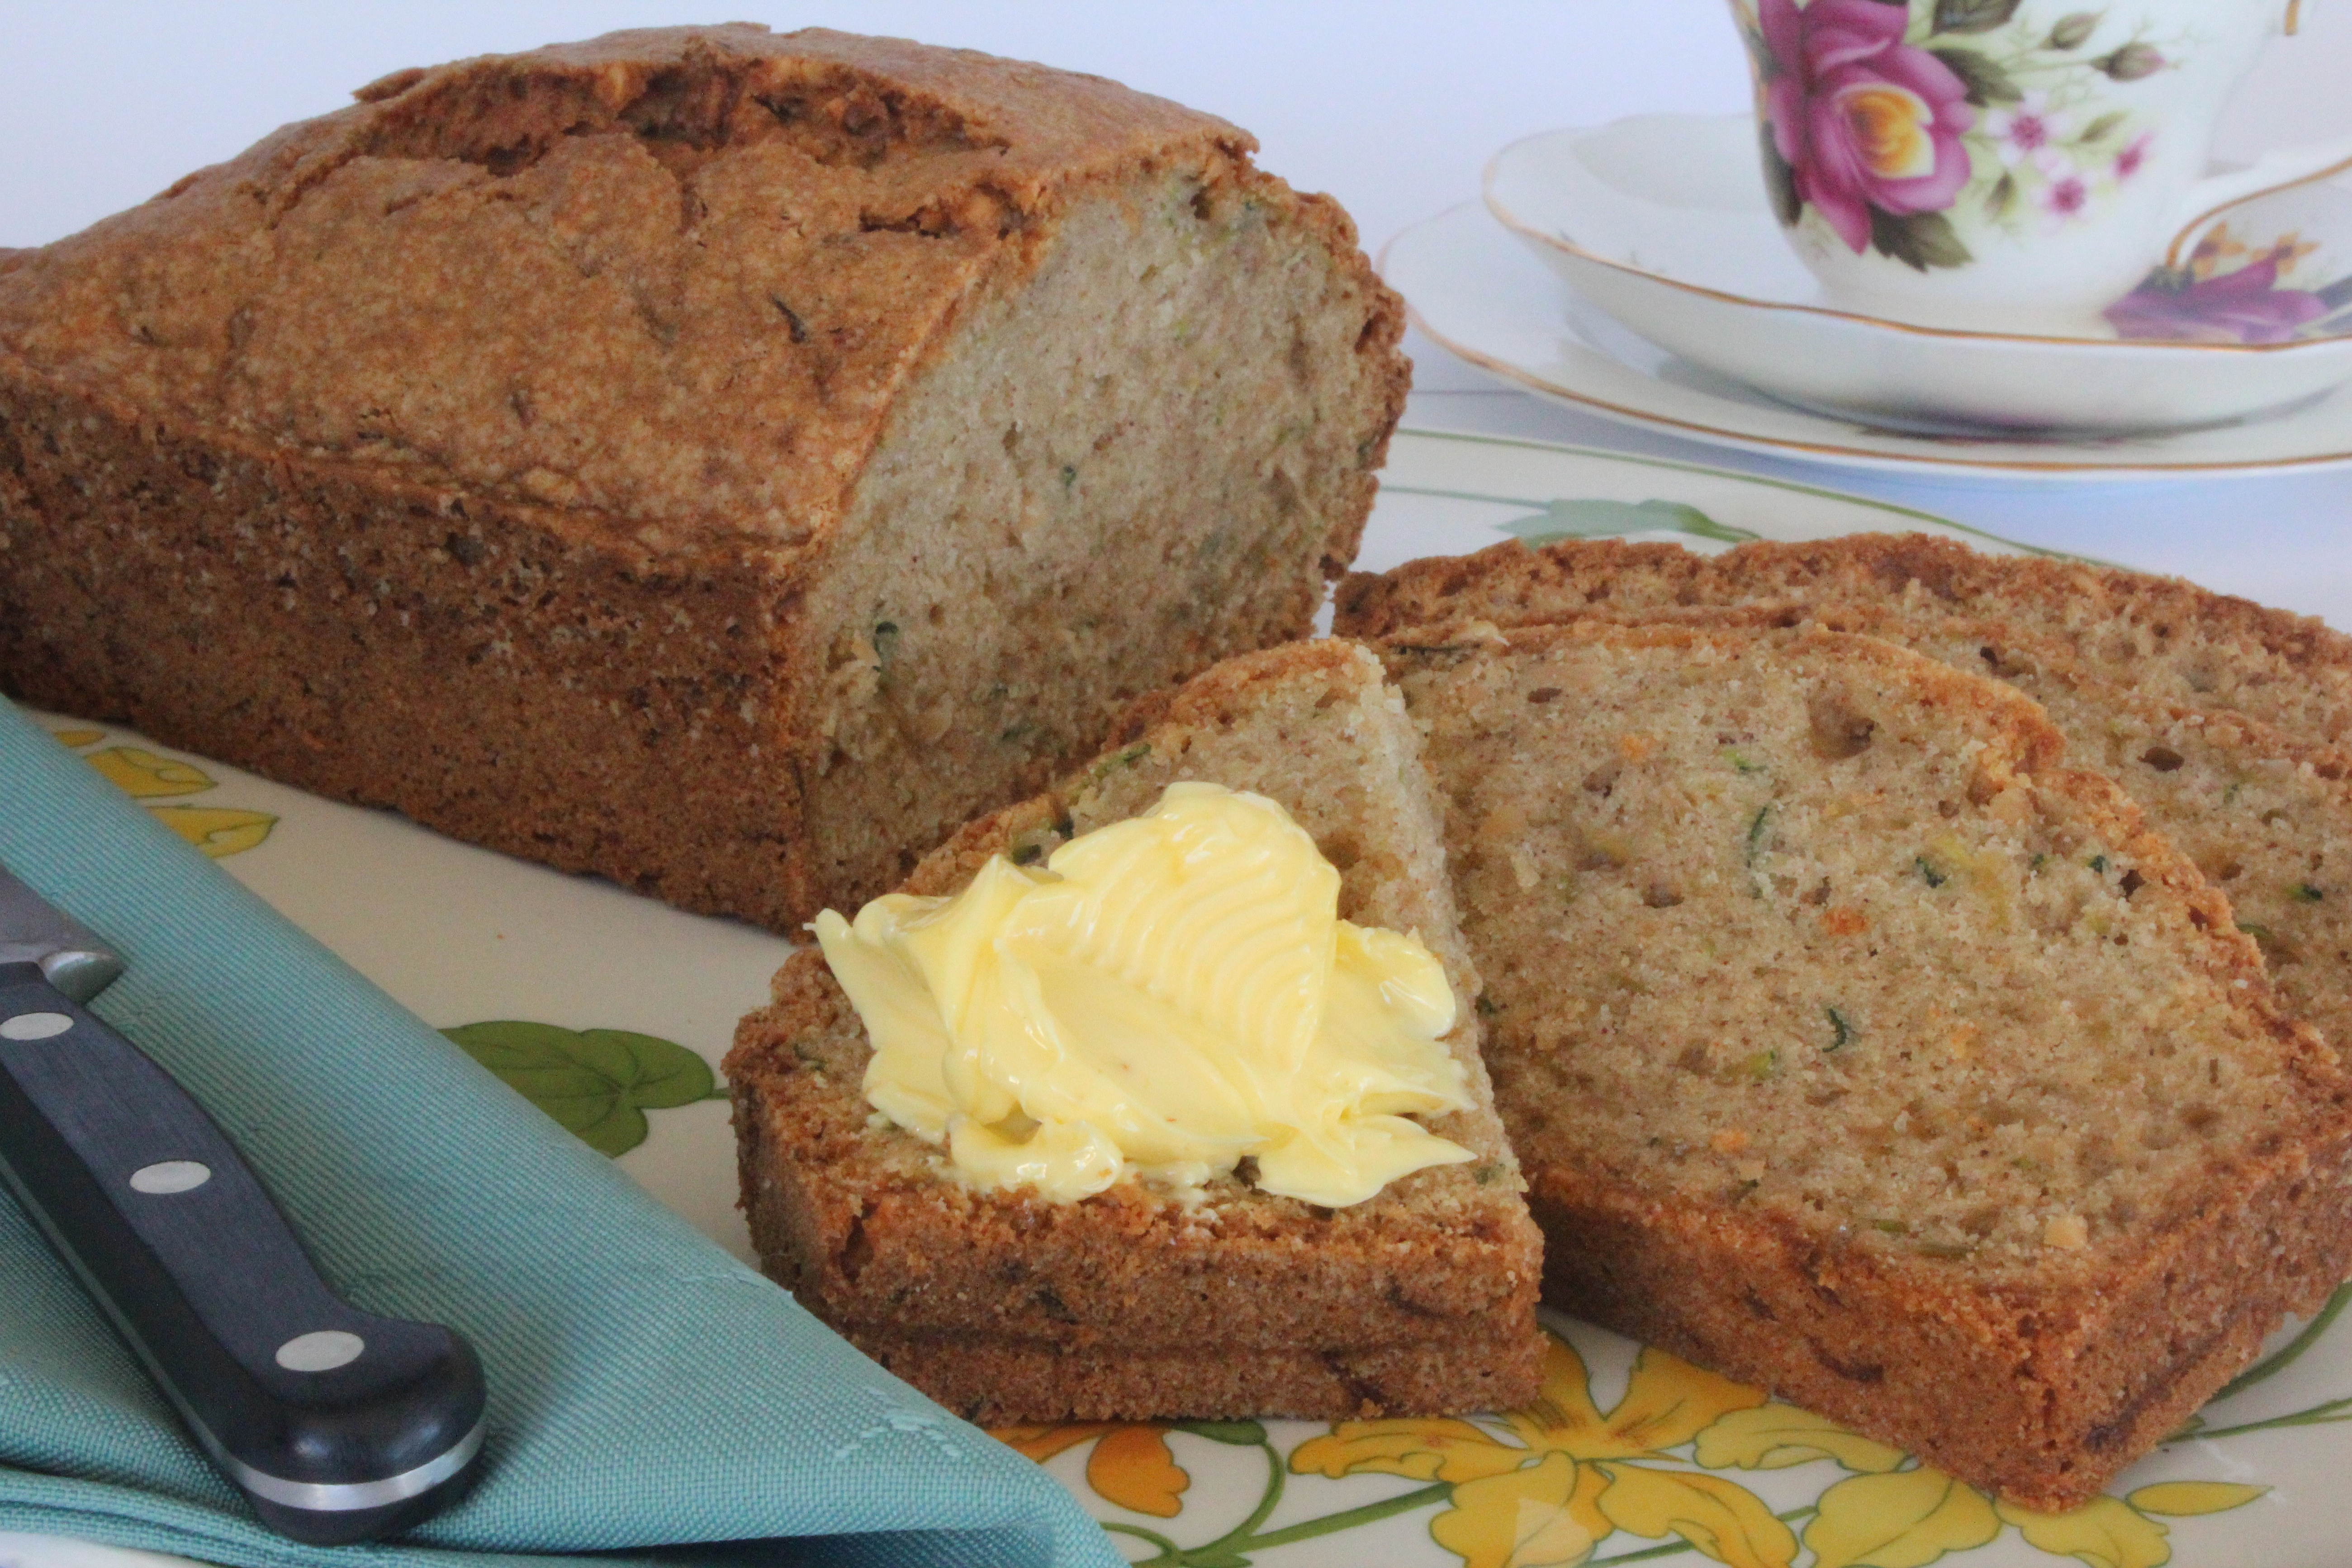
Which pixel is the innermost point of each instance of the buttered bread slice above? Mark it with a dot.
(1854, 1044)
(1142, 1300)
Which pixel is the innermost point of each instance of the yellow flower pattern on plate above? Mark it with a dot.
(145, 776)
(1550, 1485)
(1130, 1466)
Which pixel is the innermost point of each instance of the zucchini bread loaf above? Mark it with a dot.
(724, 461)
(1133, 1303)
(1853, 1045)
(2169, 639)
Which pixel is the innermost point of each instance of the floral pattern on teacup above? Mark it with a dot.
(1867, 127)
(2230, 291)
(1891, 120)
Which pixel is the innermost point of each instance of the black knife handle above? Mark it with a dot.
(340, 1425)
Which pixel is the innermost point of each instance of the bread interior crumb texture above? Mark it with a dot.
(1836, 941)
(1126, 469)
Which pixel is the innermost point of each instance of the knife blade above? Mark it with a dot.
(338, 1425)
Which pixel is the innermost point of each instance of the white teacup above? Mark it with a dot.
(2003, 165)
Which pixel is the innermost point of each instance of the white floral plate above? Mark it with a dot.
(626, 1005)
(1663, 222)
(1474, 288)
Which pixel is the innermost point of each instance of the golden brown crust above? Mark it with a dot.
(499, 670)
(2170, 637)
(559, 276)
(1418, 1299)
(2063, 1388)
(1000, 1383)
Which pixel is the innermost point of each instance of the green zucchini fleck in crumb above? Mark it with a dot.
(2304, 893)
(1755, 847)
(1891, 1226)
(2097, 863)
(1486, 1175)
(1126, 759)
(1754, 1067)
(1020, 731)
(1739, 763)
(886, 642)
(1943, 1250)
(1840, 1030)
(2273, 950)
(1935, 879)
(2036, 865)
(1069, 475)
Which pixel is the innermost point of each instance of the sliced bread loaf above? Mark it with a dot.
(1853, 1045)
(1133, 1303)
(2170, 640)
(723, 460)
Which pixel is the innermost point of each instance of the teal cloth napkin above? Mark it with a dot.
(646, 1390)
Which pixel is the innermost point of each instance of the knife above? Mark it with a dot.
(337, 1426)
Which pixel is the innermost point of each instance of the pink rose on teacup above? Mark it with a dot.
(1863, 120)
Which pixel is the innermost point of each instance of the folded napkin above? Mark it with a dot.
(646, 1390)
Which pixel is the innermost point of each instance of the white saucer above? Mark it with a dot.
(1663, 221)
(1480, 294)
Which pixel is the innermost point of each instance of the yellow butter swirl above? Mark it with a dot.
(1169, 995)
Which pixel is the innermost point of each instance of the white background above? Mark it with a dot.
(1393, 108)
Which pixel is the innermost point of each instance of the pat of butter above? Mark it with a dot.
(1166, 996)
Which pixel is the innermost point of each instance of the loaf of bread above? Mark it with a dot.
(724, 461)
(1132, 1303)
(2167, 639)
(1853, 1045)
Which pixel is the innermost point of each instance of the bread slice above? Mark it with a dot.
(723, 460)
(1131, 1304)
(1855, 1045)
(2267, 818)
(2169, 639)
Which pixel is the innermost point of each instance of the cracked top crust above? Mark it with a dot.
(672, 277)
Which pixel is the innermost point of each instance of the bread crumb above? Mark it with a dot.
(1729, 1141)
(2069, 1231)
(1963, 1042)
(1843, 921)
(1637, 747)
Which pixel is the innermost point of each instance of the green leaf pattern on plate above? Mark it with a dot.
(597, 1083)
(1567, 517)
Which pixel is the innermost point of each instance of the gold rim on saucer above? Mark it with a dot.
(2080, 468)
(1517, 225)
